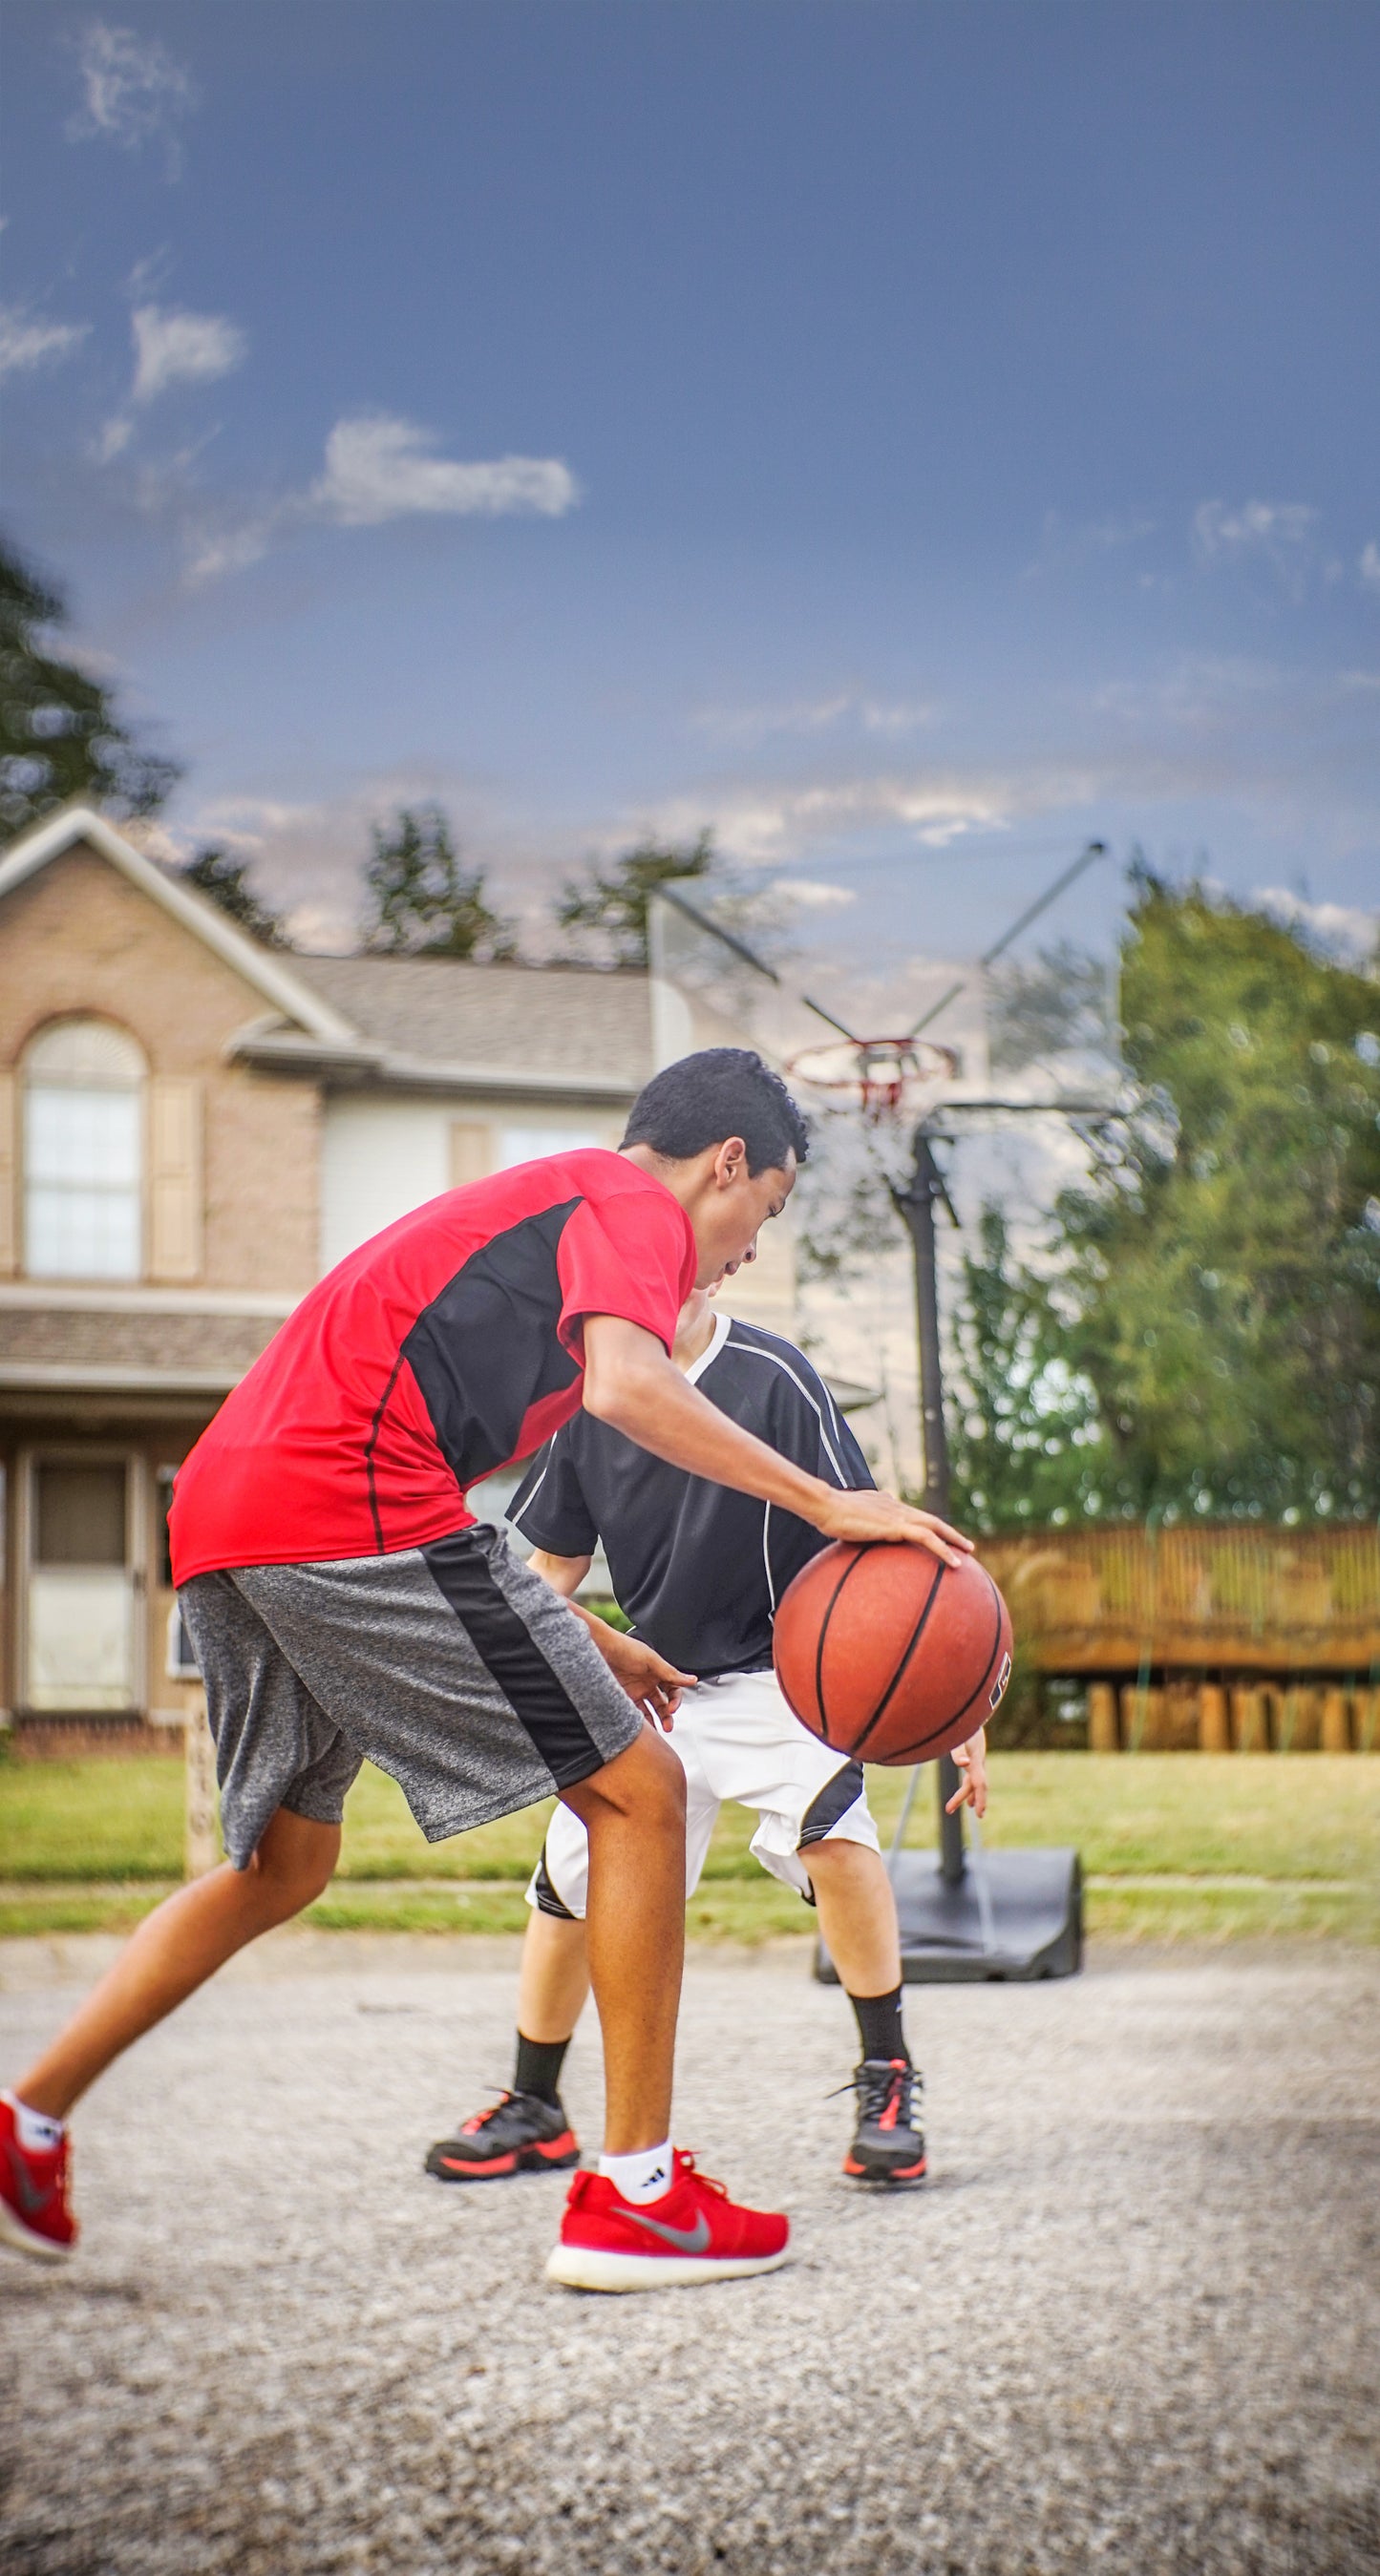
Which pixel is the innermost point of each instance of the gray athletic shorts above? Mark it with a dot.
(453, 1667)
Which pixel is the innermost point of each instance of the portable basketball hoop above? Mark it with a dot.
(964, 1915)
(887, 1075)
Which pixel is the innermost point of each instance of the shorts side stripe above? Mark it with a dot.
(833, 1801)
(548, 1902)
(509, 1651)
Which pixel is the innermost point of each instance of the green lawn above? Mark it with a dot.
(1174, 1845)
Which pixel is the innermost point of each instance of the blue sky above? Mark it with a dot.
(912, 437)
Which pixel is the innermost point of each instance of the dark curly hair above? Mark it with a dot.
(725, 1091)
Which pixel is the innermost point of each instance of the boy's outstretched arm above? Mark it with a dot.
(630, 1383)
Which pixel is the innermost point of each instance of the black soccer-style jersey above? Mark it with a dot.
(698, 1568)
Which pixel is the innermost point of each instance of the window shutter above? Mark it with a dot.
(174, 1178)
(9, 1177)
(471, 1152)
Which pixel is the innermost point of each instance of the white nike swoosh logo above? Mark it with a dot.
(689, 2240)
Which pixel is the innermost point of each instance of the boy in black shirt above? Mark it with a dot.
(699, 1569)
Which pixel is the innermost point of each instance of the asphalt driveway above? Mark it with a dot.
(1129, 2326)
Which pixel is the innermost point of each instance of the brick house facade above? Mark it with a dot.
(193, 1127)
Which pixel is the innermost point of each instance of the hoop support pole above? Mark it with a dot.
(914, 1202)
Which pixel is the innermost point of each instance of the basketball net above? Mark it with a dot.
(885, 1075)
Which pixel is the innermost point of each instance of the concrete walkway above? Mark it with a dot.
(1129, 2326)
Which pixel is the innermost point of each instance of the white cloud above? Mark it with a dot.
(815, 715)
(182, 349)
(114, 439)
(379, 467)
(764, 825)
(1200, 691)
(172, 349)
(1345, 928)
(1369, 566)
(895, 719)
(1278, 532)
(1256, 523)
(813, 893)
(216, 552)
(26, 343)
(753, 724)
(133, 92)
(1064, 542)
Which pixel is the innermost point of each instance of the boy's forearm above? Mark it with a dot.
(655, 1406)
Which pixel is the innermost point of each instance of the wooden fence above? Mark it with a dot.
(1220, 1637)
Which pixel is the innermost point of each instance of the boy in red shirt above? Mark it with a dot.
(345, 1604)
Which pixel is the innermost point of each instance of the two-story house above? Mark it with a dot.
(193, 1126)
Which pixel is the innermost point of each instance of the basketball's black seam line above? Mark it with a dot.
(863, 1547)
(369, 1447)
(964, 1705)
(915, 1636)
(963, 1709)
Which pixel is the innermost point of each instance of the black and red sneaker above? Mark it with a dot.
(693, 2233)
(35, 2215)
(889, 2141)
(519, 2133)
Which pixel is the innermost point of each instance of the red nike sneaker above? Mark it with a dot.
(693, 2233)
(34, 2215)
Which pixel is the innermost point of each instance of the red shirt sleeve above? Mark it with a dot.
(630, 1254)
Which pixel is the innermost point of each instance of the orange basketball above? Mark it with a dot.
(886, 1653)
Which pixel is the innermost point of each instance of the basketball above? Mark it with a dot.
(890, 1655)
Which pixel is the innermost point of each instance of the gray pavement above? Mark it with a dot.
(1129, 2325)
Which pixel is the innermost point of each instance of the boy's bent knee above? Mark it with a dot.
(294, 1862)
(645, 1784)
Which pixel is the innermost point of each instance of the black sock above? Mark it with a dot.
(879, 2025)
(538, 2068)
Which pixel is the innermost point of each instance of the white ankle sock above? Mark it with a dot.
(642, 2177)
(35, 2130)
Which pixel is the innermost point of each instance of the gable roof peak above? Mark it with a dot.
(261, 968)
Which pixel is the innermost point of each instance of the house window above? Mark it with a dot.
(83, 1153)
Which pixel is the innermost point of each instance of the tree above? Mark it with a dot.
(1026, 1440)
(59, 734)
(608, 909)
(217, 873)
(422, 901)
(1220, 1271)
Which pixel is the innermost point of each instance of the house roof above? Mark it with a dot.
(261, 968)
(407, 1022)
(543, 1025)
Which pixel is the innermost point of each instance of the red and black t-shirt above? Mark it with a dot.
(448, 1346)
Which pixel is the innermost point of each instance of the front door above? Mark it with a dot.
(80, 1625)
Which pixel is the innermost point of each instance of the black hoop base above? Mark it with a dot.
(1012, 1917)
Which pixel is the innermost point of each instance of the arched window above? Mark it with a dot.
(83, 1153)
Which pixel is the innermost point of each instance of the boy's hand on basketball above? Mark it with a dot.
(972, 1789)
(651, 1683)
(863, 1515)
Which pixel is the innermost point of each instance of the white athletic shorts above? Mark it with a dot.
(736, 1739)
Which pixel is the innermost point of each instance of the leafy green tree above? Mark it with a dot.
(59, 734)
(1026, 1441)
(422, 902)
(607, 908)
(217, 873)
(1220, 1272)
